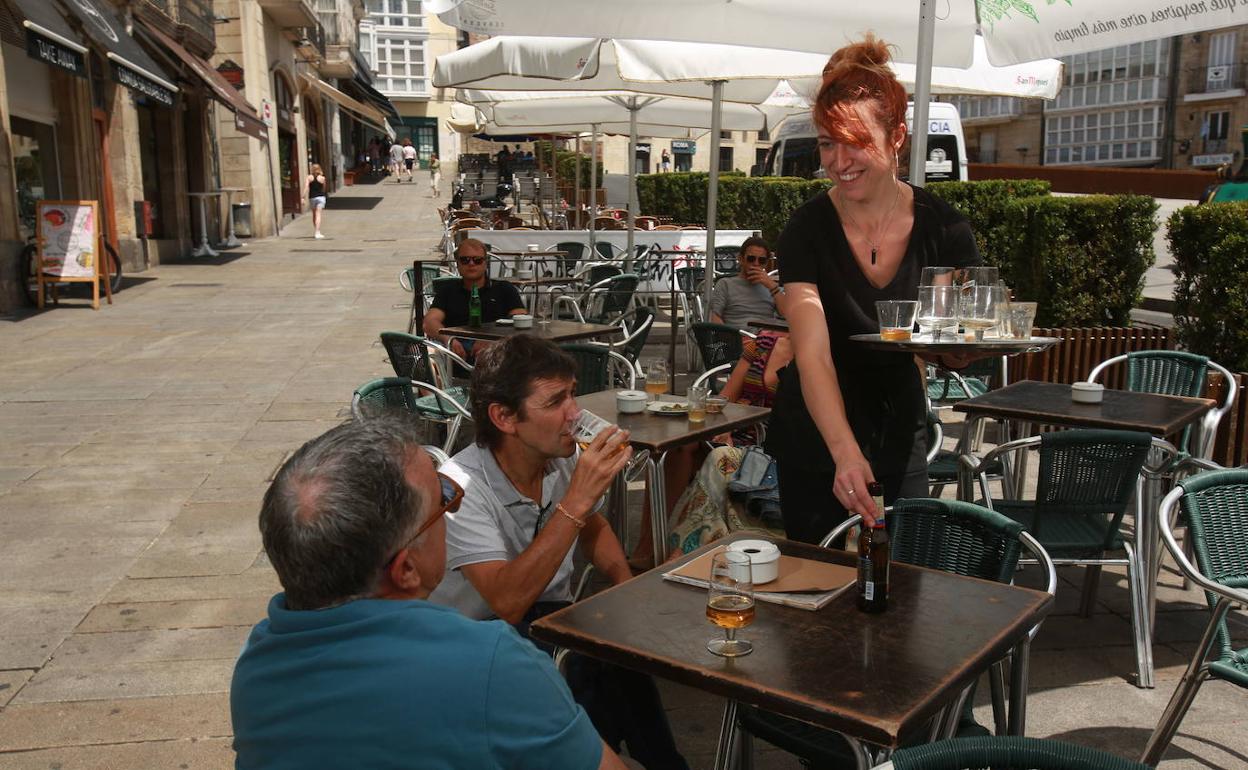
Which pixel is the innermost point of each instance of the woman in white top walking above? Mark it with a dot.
(435, 175)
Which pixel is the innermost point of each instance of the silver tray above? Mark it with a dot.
(921, 343)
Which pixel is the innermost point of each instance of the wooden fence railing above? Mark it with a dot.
(1081, 349)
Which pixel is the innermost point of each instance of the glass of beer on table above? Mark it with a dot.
(656, 378)
(730, 602)
(896, 317)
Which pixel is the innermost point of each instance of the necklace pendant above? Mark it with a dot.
(873, 250)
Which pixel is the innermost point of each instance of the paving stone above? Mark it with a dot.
(191, 562)
(129, 680)
(252, 583)
(190, 754)
(207, 613)
(85, 723)
(10, 683)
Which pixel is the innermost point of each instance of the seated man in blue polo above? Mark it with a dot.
(499, 299)
(353, 668)
(530, 498)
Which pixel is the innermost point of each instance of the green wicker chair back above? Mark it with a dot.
(599, 273)
(726, 261)
(1170, 373)
(689, 279)
(632, 349)
(718, 343)
(953, 536)
(576, 252)
(1216, 506)
(379, 395)
(409, 355)
(1087, 473)
(614, 300)
(1008, 752)
(593, 367)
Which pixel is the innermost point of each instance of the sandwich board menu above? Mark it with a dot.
(69, 245)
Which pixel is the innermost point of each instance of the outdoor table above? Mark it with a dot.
(203, 249)
(769, 324)
(231, 241)
(878, 679)
(555, 331)
(1049, 403)
(658, 434)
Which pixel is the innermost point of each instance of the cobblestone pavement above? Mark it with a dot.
(138, 440)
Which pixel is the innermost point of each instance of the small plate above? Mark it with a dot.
(668, 407)
(504, 322)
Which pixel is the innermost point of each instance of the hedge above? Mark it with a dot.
(1082, 258)
(1210, 248)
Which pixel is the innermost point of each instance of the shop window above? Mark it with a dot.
(725, 159)
(683, 161)
(34, 161)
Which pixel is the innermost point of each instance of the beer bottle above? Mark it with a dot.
(474, 308)
(873, 555)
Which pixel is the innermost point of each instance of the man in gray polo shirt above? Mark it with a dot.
(752, 293)
(530, 497)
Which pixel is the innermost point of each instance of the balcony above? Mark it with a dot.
(191, 22)
(309, 42)
(1220, 82)
(339, 60)
(290, 13)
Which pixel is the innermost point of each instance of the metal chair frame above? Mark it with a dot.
(1137, 571)
(1221, 598)
(358, 413)
(582, 305)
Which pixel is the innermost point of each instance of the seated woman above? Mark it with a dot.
(705, 512)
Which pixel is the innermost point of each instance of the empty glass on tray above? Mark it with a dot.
(938, 311)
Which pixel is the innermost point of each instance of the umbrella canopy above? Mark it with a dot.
(543, 108)
(1014, 30)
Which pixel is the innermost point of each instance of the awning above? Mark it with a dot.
(50, 39)
(374, 97)
(246, 119)
(131, 65)
(365, 113)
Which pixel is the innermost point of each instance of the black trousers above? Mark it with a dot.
(624, 705)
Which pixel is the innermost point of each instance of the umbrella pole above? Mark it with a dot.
(632, 183)
(576, 195)
(593, 188)
(922, 92)
(712, 188)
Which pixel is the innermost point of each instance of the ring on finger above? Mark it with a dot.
(850, 491)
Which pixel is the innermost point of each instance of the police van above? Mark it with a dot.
(796, 153)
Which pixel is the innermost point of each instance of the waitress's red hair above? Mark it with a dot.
(856, 73)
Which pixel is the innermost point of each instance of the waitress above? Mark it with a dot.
(844, 415)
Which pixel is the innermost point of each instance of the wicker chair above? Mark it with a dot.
(1006, 751)
(603, 302)
(1086, 480)
(597, 368)
(576, 252)
(1215, 506)
(717, 343)
(962, 538)
(1175, 373)
(428, 366)
(376, 396)
(637, 324)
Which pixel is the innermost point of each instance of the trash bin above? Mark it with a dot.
(242, 220)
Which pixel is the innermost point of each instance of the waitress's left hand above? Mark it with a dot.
(853, 475)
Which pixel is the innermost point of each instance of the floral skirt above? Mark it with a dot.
(706, 512)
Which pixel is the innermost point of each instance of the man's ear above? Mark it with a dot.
(401, 573)
(503, 418)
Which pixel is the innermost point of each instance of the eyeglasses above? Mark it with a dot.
(452, 496)
(757, 260)
(471, 260)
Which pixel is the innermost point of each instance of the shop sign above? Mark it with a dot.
(136, 82)
(266, 112)
(643, 148)
(684, 146)
(232, 73)
(1214, 160)
(51, 52)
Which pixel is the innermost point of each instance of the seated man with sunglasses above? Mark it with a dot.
(530, 499)
(750, 294)
(499, 299)
(353, 667)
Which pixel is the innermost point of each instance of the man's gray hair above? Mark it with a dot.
(339, 508)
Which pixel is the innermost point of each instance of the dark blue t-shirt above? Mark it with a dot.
(401, 684)
(498, 299)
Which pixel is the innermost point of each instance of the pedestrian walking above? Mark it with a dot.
(396, 161)
(409, 159)
(314, 191)
(435, 175)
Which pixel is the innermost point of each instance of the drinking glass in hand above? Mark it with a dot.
(656, 378)
(938, 310)
(730, 602)
(977, 309)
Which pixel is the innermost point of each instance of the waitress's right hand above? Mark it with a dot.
(853, 475)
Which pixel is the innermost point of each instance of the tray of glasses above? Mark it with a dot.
(951, 343)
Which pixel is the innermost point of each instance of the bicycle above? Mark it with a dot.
(53, 288)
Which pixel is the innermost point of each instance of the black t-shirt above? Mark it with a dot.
(882, 391)
(498, 299)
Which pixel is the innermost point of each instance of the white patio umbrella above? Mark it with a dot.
(1014, 30)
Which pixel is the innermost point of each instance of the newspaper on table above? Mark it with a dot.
(803, 583)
